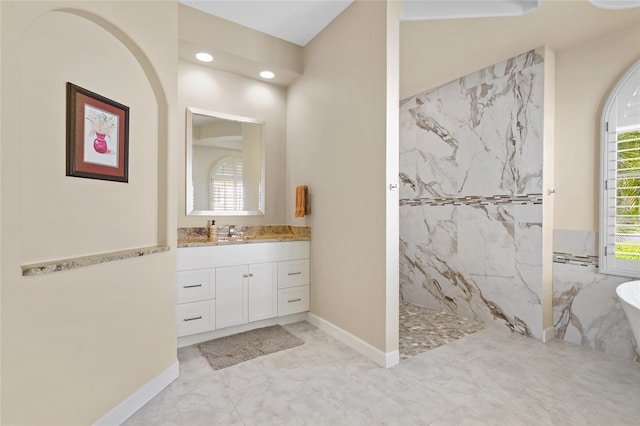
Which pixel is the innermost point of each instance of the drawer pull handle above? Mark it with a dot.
(294, 300)
(245, 276)
(251, 274)
(192, 286)
(294, 273)
(192, 319)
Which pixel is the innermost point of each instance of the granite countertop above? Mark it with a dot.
(204, 241)
(197, 237)
(94, 259)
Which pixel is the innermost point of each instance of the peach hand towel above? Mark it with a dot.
(301, 200)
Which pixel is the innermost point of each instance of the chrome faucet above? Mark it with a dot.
(232, 231)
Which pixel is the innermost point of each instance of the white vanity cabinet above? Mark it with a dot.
(196, 301)
(293, 286)
(223, 286)
(232, 304)
(246, 293)
(263, 291)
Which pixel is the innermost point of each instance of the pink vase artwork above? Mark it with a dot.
(100, 143)
(102, 125)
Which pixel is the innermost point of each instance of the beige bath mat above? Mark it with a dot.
(231, 350)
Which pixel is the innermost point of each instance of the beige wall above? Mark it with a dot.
(236, 48)
(436, 52)
(229, 85)
(593, 47)
(219, 91)
(77, 343)
(585, 75)
(336, 144)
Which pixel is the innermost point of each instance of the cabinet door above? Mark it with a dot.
(231, 296)
(263, 291)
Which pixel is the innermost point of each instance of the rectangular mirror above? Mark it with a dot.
(225, 165)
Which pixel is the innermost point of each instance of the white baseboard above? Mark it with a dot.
(548, 334)
(392, 359)
(384, 359)
(133, 403)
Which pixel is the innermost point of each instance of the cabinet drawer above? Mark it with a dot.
(293, 300)
(194, 286)
(195, 317)
(293, 273)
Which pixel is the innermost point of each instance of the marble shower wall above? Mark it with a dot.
(586, 309)
(471, 196)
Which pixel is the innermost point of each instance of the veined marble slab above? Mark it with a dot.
(586, 309)
(478, 135)
(471, 204)
(478, 262)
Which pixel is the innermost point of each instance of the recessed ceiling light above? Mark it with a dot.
(267, 74)
(204, 57)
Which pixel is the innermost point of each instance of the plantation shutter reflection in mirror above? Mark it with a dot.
(226, 185)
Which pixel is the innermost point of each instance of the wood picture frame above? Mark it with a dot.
(97, 136)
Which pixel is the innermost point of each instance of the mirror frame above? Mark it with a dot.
(189, 168)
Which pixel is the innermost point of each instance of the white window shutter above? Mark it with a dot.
(620, 175)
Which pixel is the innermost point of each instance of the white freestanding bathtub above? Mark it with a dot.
(629, 294)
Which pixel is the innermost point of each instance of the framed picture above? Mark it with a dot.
(97, 136)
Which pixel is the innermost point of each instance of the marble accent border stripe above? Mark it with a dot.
(80, 262)
(474, 200)
(574, 259)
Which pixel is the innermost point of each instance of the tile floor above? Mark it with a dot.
(492, 377)
(422, 329)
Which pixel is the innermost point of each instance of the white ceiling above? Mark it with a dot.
(299, 21)
(296, 21)
(418, 10)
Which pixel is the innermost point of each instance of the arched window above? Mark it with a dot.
(620, 173)
(225, 184)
